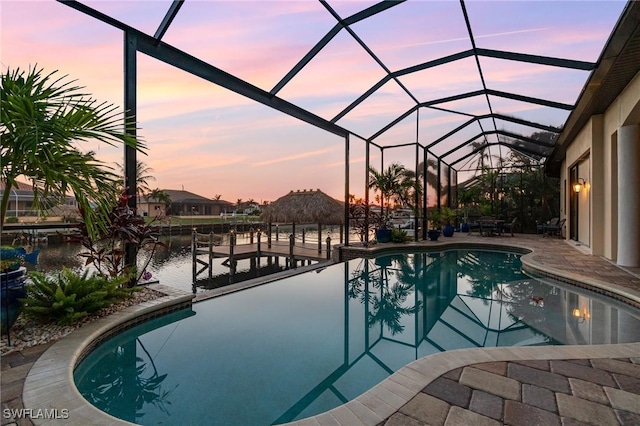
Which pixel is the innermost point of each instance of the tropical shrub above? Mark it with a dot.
(363, 218)
(44, 119)
(66, 297)
(124, 229)
(398, 235)
(517, 188)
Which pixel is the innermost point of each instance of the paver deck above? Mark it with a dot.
(477, 394)
(564, 385)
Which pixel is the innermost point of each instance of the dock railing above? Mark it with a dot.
(214, 245)
(203, 244)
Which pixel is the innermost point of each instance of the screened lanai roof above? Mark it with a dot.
(462, 79)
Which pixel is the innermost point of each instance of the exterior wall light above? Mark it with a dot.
(577, 187)
(581, 316)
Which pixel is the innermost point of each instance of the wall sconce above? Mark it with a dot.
(577, 187)
(581, 316)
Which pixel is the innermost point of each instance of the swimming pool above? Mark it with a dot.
(303, 345)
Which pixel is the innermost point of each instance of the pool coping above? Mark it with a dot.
(50, 385)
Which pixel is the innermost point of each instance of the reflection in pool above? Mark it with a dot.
(303, 345)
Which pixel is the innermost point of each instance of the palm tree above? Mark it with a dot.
(395, 183)
(408, 189)
(44, 117)
(143, 174)
(388, 182)
(483, 152)
(432, 174)
(160, 196)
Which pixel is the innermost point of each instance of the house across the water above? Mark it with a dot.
(183, 203)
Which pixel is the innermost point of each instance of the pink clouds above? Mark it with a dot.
(214, 141)
(444, 80)
(239, 37)
(342, 72)
(562, 24)
(419, 29)
(288, 158)
(30, 37)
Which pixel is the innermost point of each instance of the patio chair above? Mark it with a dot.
(553, 222)
(554, 230)
(509, 227)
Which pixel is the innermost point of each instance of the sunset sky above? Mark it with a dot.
(211, 141)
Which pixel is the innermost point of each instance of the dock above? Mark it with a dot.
(211, 245)
(301, 251)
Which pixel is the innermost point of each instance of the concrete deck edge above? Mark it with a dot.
(50, 384)
(529, 265)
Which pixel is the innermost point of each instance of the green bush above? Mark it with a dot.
(11, 219)
(398, 235)
(66, 297)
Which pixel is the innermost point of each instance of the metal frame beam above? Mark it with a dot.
(370, 11)
(537, 59)
(194, 66)
(137, 41)
(479, 117)
(498, 132)
(515, 148)
(489, 53)
(130, 153)
(182, 60)
(499, 117)
(168, 19)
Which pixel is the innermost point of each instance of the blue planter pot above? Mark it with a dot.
(433, 234)
(383, 235)
(448, 230)
(464, 227)
(13, 288)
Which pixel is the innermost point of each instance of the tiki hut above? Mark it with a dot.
(305, 207)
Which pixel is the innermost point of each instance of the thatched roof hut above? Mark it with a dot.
(304, 207)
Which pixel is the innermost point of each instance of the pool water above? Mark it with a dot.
(303, 345)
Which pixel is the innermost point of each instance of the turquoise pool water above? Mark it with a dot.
(303, 345)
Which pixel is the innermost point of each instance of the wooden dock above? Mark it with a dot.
(302, 251)
(276, 258)
(211, 246)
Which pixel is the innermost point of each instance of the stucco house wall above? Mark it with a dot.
(595, 150)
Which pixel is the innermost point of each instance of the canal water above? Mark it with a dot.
(172, 264)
